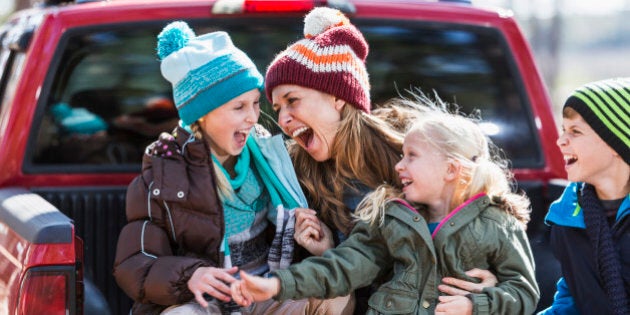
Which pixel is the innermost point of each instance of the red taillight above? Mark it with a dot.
(235, 7)
(44, 292)
(278, 6)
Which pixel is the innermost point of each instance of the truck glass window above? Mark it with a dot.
(109, 100)
(470, 66)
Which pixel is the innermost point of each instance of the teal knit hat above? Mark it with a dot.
(206, 71)
(605, 106)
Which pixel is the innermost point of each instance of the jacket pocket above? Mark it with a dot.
(388, 300)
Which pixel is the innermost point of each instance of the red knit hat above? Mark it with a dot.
(330, 59)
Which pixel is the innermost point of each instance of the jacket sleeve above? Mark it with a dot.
(517, 291)
(145, 266)
(341, 270)
(563, 303)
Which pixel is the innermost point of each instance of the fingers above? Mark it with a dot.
(307, 235)
(306, 217)
(213, 281)
(446, 298)
(459, 285)
(238, 296)
(304, 211)
(452, 290)
(199, 298)
(488, 279)
(454, 305)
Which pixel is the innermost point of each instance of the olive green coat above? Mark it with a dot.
(478, 235)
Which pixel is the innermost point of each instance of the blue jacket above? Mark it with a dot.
(579, 291)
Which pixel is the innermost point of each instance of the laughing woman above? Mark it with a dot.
(341, 149)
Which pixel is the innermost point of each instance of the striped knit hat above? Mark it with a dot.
(330, 59)
(605, 106)
(206, 71)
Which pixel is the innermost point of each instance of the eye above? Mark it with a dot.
(292, 100)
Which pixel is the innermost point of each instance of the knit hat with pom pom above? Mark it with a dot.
(206, 71)
(330, 59)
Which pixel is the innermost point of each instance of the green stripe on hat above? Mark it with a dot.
(606, 110)
(605, 106)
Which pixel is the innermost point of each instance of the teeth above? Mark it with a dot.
(298, 131)
(569, 158)
(405, 182)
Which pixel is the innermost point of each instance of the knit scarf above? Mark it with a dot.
(241, 168)
(607, 260)
(281, 250)
(282, 246)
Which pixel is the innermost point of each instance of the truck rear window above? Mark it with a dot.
(108, 99)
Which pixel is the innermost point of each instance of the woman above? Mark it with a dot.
(320, 89)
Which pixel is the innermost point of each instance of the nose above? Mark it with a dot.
(252, 115)
(399, 166)
(284, 117)
(562, 140)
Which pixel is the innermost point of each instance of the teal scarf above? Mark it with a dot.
(241, 168)
(277, 192)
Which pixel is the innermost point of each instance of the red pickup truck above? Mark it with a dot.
(81, 96)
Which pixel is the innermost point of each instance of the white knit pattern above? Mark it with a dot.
(355, 66)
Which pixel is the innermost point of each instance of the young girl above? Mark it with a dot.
(466, 217)
(203, 207)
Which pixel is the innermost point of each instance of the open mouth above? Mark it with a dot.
(406, 182)
(304, 135)
(241, 136)
(570, 159)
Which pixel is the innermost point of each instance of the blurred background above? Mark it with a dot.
(573, 41)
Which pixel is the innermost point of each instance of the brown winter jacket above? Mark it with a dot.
(175, 225)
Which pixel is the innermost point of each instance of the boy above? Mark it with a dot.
(590, 222)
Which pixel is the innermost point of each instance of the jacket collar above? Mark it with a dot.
(567, 212)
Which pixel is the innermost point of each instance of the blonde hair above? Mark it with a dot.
(459, 138)
(223, 185)
(365, 149)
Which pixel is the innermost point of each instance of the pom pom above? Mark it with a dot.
(321, 19)
(173, 37)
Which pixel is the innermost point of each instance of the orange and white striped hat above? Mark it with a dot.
(330, 59)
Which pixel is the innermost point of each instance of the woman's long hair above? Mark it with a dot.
(366, 149)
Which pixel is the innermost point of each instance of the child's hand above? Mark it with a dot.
(453, 286)
(457, 305)
(311, 233)
(254, 289)
(213, 281)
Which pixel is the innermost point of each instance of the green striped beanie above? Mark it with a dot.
(605, 106)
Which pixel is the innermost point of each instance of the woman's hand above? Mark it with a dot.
(311, 233)
(455, 305)
(453, 286)
(213, 281)
(254, 289)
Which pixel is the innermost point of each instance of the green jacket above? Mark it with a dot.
(477, 235)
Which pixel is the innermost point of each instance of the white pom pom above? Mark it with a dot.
(320, 19)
